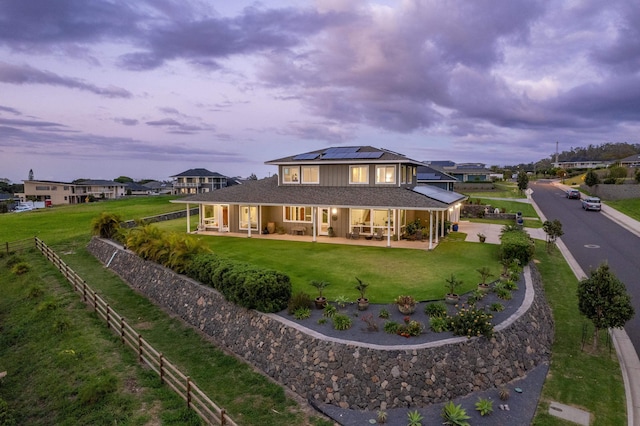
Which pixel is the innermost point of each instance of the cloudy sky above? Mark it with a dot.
(148, 89)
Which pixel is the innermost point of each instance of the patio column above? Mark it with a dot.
(436, 226)
(249, 220)
(430, 230)
(188, 218)
(314, 222)
(389, 227)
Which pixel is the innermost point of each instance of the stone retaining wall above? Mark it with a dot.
(613, 192)
(347, 374)
(162, 217)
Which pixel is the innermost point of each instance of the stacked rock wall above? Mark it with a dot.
(347, 374)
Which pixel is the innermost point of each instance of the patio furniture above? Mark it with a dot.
(355, 235)
(298, 230)
(378, 234)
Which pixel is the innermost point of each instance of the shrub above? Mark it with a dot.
(341, 322)
(497, 307)
(410, 328)
(472, 322)
(454, 415)
(414, 418)
(20, 268)
(6, 415)
(246, 286)
(516, 244)
(391, 327)
(329, 311)
(437, 309)
(484, 406)
(504, 393)
(302, 313)
(384, 314)
(107, 225)
(370, 321)
(439, 324)
(297, 301)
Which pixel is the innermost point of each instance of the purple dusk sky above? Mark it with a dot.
(148, 89)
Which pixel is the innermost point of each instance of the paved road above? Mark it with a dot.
(593, 239)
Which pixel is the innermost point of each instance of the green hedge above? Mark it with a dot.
(516, 244)
(242, 284)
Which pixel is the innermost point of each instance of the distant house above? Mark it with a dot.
(157, 187)
(431, 176)
(463, 172)
(631, 161)
(344, 191)
(70, 193)
(581, 164)
(198, 181)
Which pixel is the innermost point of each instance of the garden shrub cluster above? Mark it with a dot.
(516, 244)
(242, 284)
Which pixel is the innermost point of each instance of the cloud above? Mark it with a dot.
(126, 121)
(25, 74)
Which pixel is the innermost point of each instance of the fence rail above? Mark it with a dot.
(196, 400)
(19, 245)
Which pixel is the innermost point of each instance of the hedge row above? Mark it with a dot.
(516, 244)
(242, 284)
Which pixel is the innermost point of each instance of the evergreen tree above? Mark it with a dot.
(591, 178)
(553, 229)
(523, 180)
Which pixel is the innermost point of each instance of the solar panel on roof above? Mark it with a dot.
(307, 156)
(341, 149)
(428, 176)
(438, 194)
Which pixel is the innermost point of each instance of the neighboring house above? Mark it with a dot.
(198, 181)
(334, 190)
(133, 188)
(463, 172)
(581, 164)
(631, 161)
(157, 187)
(431, 176)
(57, 193)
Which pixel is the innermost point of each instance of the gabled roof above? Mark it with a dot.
(430, 174)
(631, 159)
(99, 182)
(342, 154)
(267, 192)
(199, 173)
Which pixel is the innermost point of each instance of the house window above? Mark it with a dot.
(358, 174)
(385, 174)
(244, 217)
(403, 174)
(291, 175)
(368, 221)
(297, 214)
(310, 174)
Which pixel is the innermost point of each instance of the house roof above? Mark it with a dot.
(267, 192)
(631, 159)
(426, 173)
(199, 173)
(100, 182)
(342, 154)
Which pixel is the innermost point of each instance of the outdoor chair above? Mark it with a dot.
(355, 235)
(378, 235)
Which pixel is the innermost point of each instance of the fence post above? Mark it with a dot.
(161, 359)
(223, 417)
(188, 392)
(139, 348)
(108, 322)
(122, 329)
(84, 291)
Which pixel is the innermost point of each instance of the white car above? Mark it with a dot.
(22, 208)
(591, 203)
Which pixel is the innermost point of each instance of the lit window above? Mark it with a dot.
(310, 174)
(291, 175)
(359, 174)
(297, 214)
(245, 217)
(385, 174)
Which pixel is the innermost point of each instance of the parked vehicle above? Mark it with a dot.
(573, 193)
(591, 203)
(22, 208)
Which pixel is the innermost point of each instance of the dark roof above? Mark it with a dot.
(136, 186)
(631, 158)
(267, 192)
(199, 173)
(99, 182)
(426, 173)
(351, 154)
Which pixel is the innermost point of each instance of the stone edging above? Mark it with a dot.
(347, 374)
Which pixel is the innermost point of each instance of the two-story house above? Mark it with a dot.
(57, 193)
(198, 181)
(339, 191)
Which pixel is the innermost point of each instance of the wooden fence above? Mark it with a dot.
(18, 245)
(169, 374)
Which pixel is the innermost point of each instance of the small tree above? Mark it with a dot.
(604, 300)
(553, 229)
(523, 180)
(591, 178)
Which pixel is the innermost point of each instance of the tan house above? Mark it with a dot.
(57, 193)
(343, 191)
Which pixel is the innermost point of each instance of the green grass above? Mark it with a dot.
(629, 207)
(580, 378)
(389, 272)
